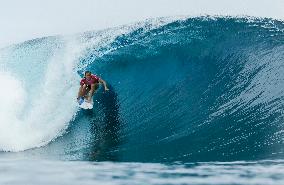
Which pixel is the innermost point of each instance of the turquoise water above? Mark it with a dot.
(184, 93)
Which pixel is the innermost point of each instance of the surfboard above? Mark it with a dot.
(82, 103)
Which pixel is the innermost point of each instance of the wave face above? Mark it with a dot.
(196, 89)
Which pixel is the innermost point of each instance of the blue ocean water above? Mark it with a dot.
(191, 101)
(83, 172)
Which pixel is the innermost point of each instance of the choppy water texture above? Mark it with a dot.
(75, 172)
(189, 90)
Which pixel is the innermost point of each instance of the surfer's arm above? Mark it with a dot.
(104, 83)
(82, 82)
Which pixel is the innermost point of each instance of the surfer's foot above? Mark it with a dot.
(80, 100)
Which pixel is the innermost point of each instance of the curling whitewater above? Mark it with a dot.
(195, 89)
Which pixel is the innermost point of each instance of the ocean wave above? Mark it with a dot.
(192, 89)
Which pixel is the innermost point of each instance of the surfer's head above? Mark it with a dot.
(88, 74)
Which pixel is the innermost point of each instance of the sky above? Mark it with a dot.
(22, 20)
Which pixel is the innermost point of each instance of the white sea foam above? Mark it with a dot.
(48, 115)
(12, 98)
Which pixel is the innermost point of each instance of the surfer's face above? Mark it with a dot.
(88, 76)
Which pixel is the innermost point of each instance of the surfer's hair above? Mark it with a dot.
(87, 72)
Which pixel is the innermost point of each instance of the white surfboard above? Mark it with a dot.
(86, 105)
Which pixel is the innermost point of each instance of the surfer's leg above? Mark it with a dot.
(82, 91)
(94, 87)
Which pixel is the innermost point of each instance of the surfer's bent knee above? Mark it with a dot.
(94, 86)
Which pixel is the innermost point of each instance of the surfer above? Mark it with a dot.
(89, 84)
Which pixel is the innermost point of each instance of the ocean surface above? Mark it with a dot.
(192, 100)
